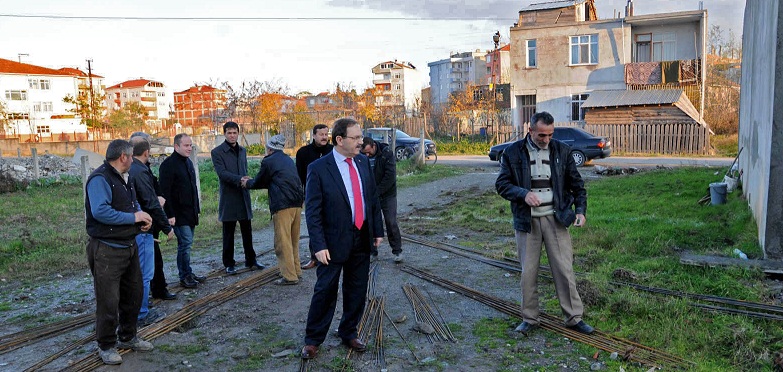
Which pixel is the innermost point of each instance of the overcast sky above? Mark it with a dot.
(306, 44)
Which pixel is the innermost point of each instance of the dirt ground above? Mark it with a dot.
(264, 329)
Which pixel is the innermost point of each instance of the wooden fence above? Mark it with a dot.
(671, 138)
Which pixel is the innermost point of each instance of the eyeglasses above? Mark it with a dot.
(355, 138)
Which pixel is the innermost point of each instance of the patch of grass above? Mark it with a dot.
(409, 176)
(6, 306)
(725, 144)
(465, 146)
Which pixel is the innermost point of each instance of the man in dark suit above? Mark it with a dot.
(179, 186)
(230, 161)
(344, 220)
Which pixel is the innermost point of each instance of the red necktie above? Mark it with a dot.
(358, 210)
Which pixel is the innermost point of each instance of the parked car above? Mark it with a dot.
(584, 145)
(406, 145)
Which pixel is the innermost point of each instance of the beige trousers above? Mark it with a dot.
(557, 241)
(286, 224)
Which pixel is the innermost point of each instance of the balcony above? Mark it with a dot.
(148, 99)
(667, 73)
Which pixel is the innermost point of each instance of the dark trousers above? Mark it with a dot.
(158, 283)
(118, 290)
(229, 227)
(355, 277)
(389, 210)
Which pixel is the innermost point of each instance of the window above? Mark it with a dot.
(577, 113)
(124, 95)
(47, 106)
(161, 94)
(16, 95)
(33, 83)
(527, 106)
(43, 129)
(584, 49)
(643, 48)
(18, 116)
(397, 87)
(396, 76)
(44, 84)
(663, 47)
(531, 53)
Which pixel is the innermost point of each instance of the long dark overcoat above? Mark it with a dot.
(230, 167)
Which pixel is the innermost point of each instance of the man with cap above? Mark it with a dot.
(230, 161)
(278, 175)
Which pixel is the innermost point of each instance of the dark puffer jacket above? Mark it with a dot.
(513, 183)
(278, 174)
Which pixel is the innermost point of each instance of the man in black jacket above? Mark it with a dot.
(308, 154)
(230, 161)
(148, 200)
(278, 174)
(539, 177)
(114, 218)
(384, 168)
(158, 285)
(178, 184)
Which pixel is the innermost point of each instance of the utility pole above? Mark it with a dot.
(92, 94)
(495, 56)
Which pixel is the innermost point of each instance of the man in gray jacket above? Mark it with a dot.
(230, 161)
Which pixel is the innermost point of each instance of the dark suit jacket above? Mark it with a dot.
(144, 182)
(328, 211)
(230, 167)
(178, 186)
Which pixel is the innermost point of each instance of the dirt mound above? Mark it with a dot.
(17, 173)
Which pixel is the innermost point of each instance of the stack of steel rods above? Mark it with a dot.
(16, 340)
(188, 313)
(424, 313)
(633, 351)
(545, 273)
(371, 325)
(372, 280)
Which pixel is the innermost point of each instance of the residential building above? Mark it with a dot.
(149, 93)
(455, 73)
(561, 53)
(399, 84)
(33, 99)
(499, 65)
(200, 106)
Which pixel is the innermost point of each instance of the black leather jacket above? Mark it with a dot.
(513, 183)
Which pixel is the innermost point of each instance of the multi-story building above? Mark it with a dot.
(455, 73)
(399, 84)
(200, 106)
(33, 99)
(149, 93)
(499, 68)
(562, 53)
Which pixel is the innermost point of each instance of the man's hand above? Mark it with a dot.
(532, 199)
(162, 201)
(377, 242)
(145, 220)
(323, 256)
(244, 181)
(580, 220)
(170, 235)
(172, 221)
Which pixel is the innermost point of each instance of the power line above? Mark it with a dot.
(221, 19)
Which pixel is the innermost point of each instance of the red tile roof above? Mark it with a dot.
(131, 84)
(77, 72)
(8, 66)
(199, 88)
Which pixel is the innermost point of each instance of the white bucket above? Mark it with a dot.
(731, 183)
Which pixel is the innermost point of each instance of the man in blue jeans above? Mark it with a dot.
(142, 179)
(179, 186)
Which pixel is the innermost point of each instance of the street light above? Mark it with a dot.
(496, 40)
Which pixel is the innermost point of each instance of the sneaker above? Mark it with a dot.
(135, 344)
(152, 316)
(398, 258)
(188, 282)
(198, 278)
(231, 270)
(284, 281)
(110, 356)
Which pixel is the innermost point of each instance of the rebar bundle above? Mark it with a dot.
(423, 311)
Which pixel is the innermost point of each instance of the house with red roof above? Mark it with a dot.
(149, 93)
(200, 106)
(33, 98)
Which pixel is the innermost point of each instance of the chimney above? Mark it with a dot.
(629, 8)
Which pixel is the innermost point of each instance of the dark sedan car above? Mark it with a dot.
(406, 145)
(584, 145)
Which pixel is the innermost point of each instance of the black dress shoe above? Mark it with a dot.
(309, 265)
(525, 328)
(231, 270)
(582, 327)
(256, 266)
(198, 278)
(188, 282)
(165, 296)
(356, 344)
(309, 351)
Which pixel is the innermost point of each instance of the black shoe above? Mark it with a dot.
(256, 266)
(197, 278)
(525, 328)
(582, 327)
(165, 296)
(188, 282)
(152, 317)
(231, 270)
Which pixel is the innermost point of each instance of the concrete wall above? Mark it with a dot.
(761, 125)
(688, 38)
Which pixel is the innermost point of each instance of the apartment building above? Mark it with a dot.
(455, 73)
(399, 84)
(499, 65)
(562, 53)
(200, 106)
(33, 99)
(149, 93)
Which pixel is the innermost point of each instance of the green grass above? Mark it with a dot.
(641, 223)
(725, 144)
(409, 176)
